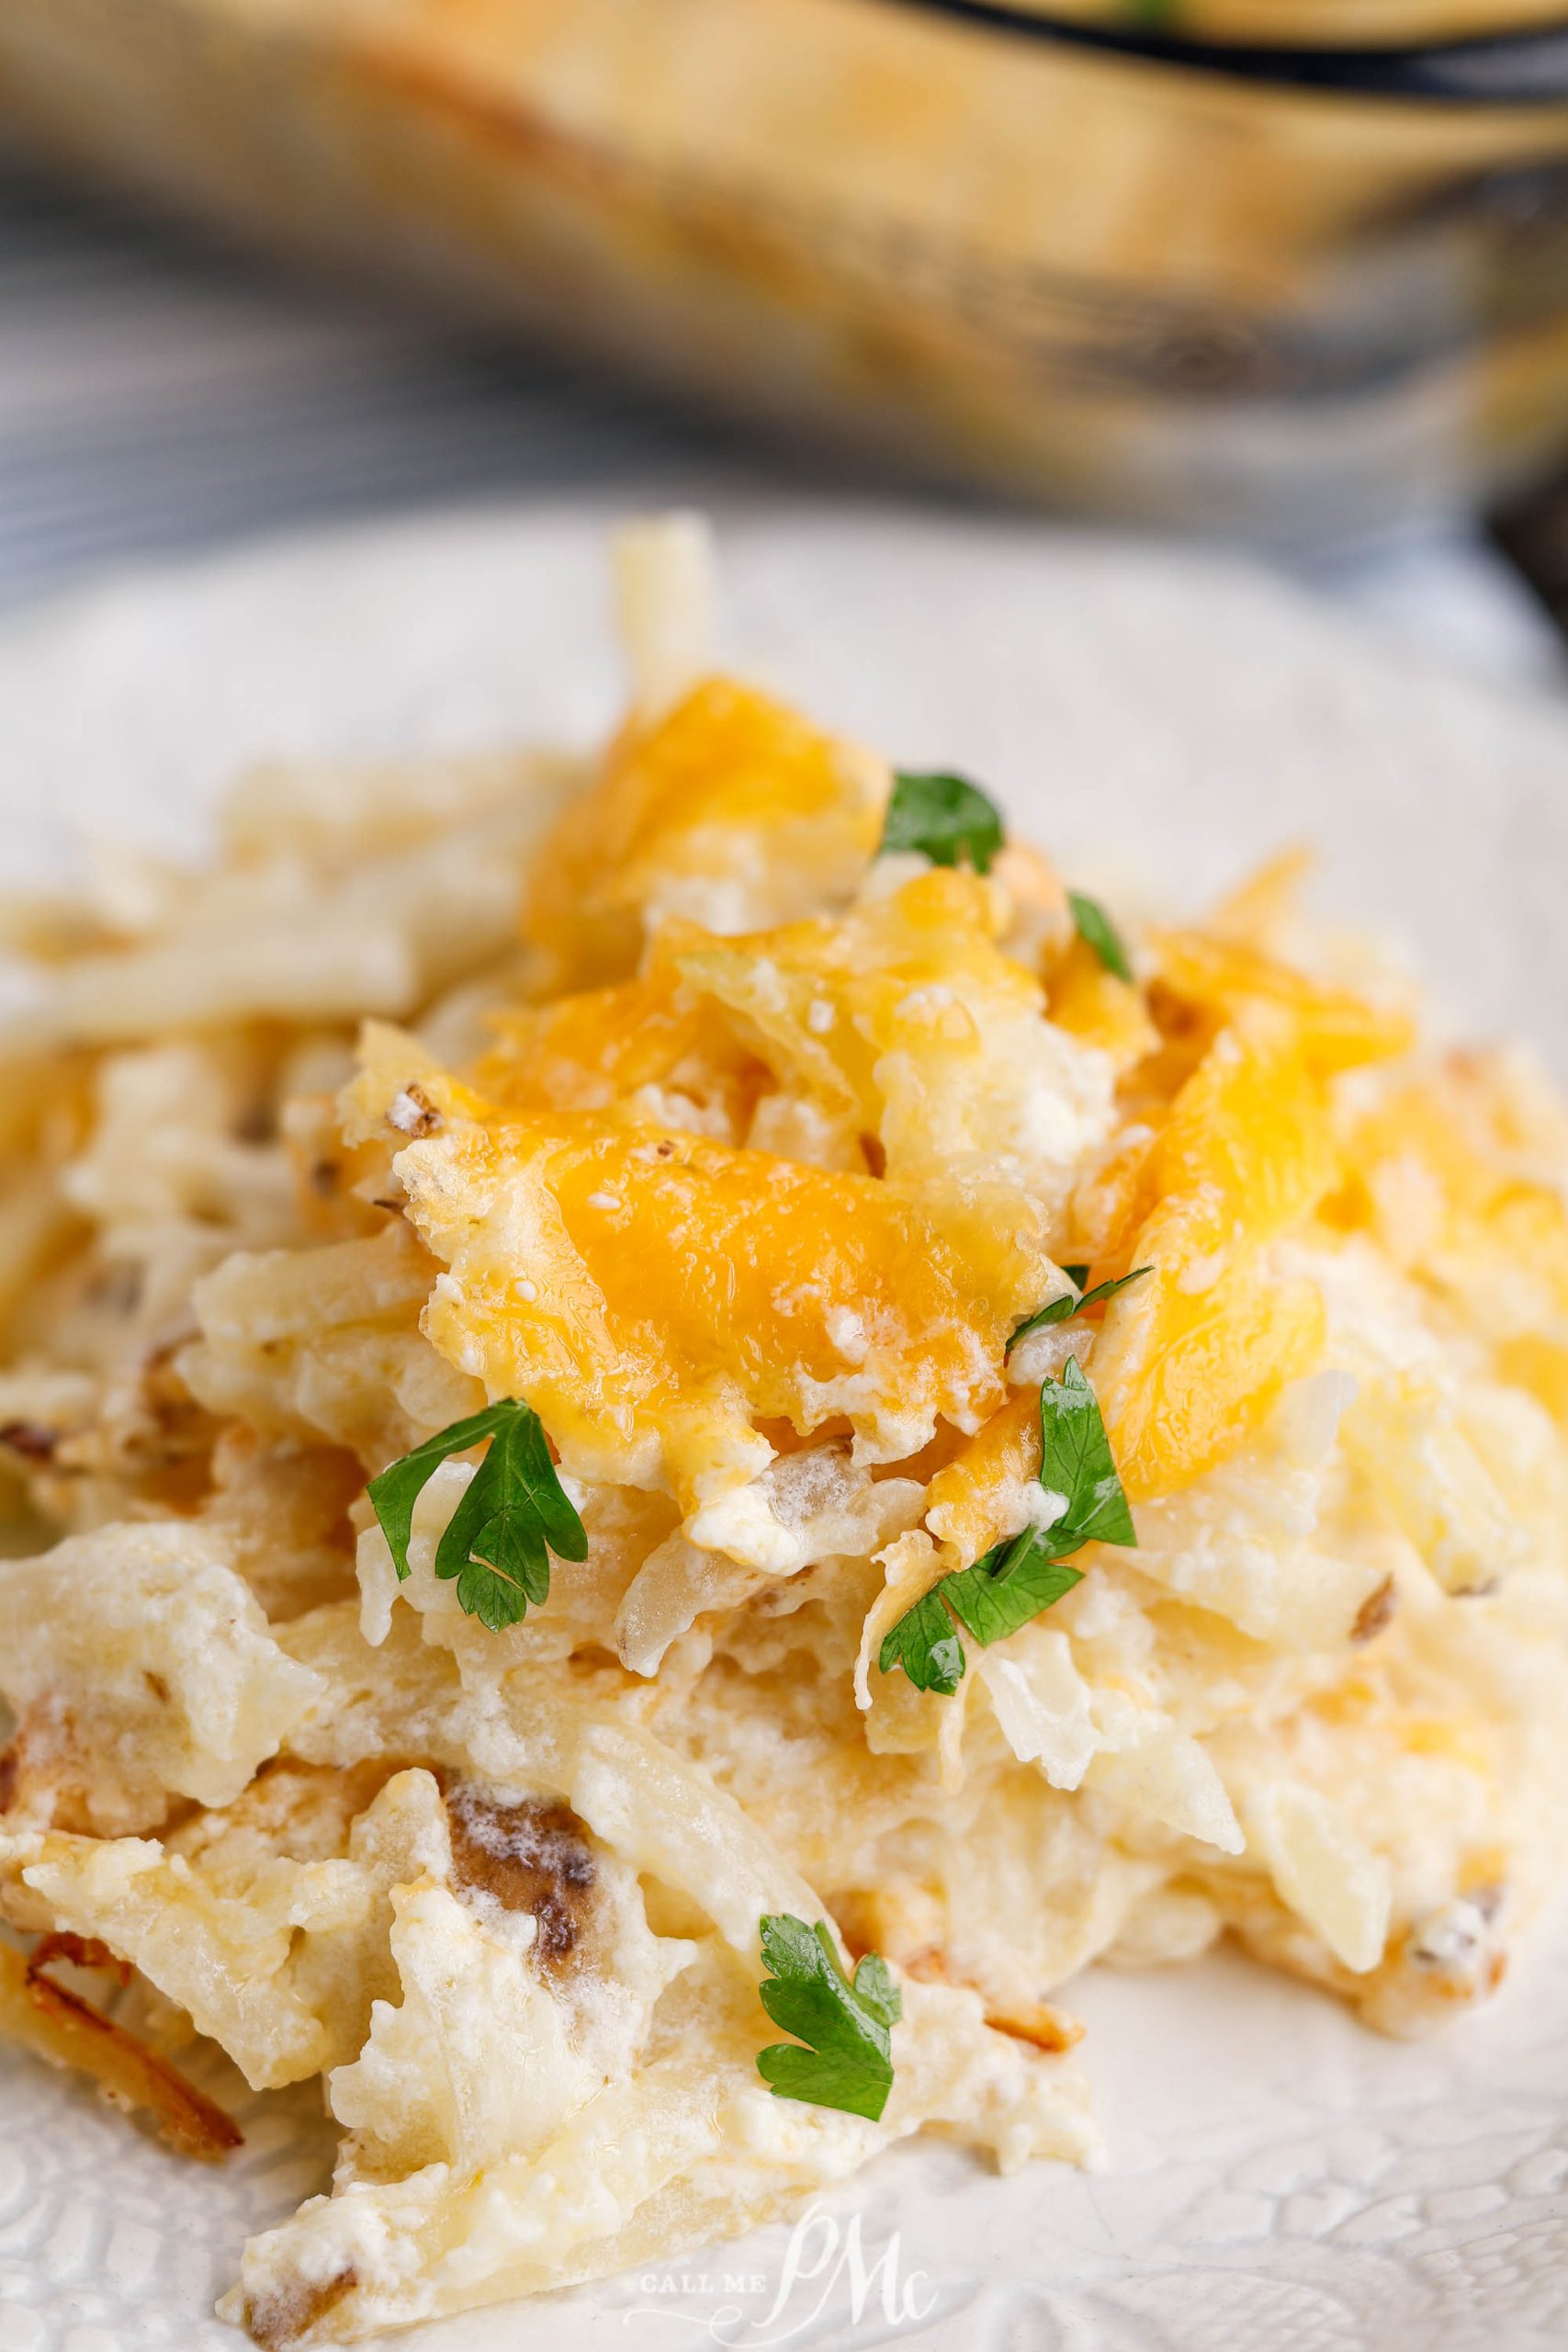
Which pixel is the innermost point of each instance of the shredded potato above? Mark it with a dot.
(650, 1098)
(66, 2030)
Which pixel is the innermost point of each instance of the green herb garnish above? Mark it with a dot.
(1024, 1575)
(1075, 1460)
(844, 2021)
(1063, 1309)
(1097, 930)
(946, 818)
(1007, 1586)
(512, 1514)
(924, 1643)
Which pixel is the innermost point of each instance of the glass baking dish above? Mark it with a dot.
(1283, 291)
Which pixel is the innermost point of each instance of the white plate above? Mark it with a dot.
(1280, 2181)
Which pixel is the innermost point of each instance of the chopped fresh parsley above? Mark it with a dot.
(1097, 930)
(1063, 1309)
(1019, 1577)
(512, 1514)
(924, 1643)
(945, 815)
(1007, 1586)
(844, 2021)
(1075, 1460)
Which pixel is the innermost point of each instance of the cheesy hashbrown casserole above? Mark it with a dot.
(697, 1433)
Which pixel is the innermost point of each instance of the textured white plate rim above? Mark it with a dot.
(1280, 2181)
(80, 711)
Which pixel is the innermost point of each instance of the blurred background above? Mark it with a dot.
(1292, 273)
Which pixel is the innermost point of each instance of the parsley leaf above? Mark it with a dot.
(946, 817)
(1019, 1577)
(1063, 1309)
(1075, 1460)
(1097, 930)
(395, 1491)
(511, 1516)
(1008, 1585)
(924, 1643)
(844, 2021)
